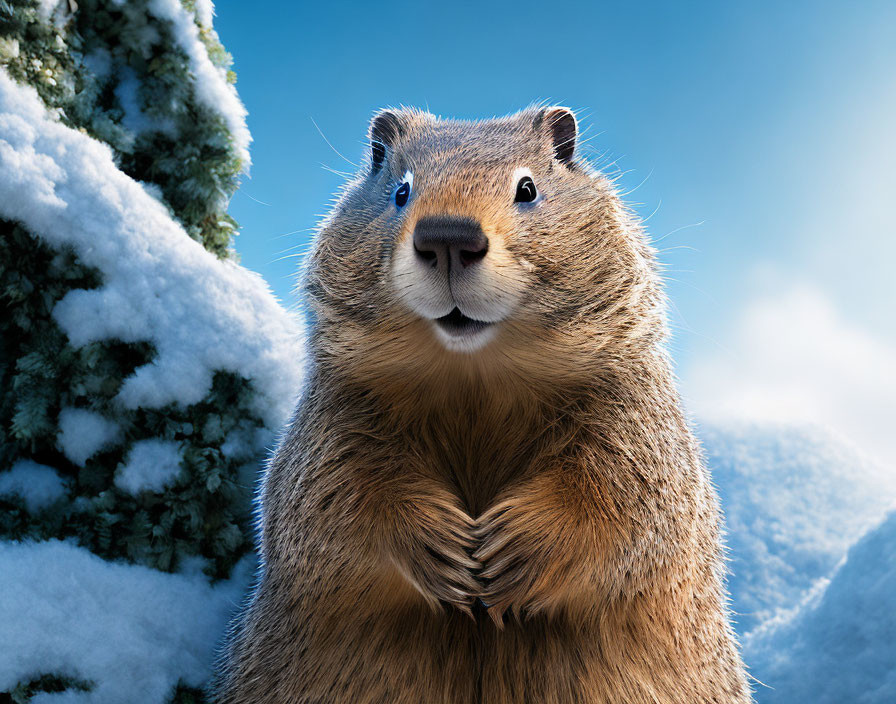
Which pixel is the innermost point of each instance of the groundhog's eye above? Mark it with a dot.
(403, 192)
(525, 190)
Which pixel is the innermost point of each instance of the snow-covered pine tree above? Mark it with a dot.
(141, 376)
(158, 91)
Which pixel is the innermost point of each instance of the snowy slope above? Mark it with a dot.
(840, 647)
(795, 498)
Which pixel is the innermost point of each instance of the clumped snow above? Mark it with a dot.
(840, 647)
(132, 631)
(83, 433)
(794, 498)
(205, 12)
(239, 442)
(212, 88)
(202, 314)
(47, 7)
(151, 465)
(37, 485)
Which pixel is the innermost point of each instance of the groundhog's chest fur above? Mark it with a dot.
(489, 493)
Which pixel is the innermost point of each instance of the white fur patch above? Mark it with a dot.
(467, 342)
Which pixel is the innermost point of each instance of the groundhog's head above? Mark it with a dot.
(479, 245)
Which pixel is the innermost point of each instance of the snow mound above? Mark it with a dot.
(202, 314)
(151, 466)
(38, 485)
(794, 498)
(126, 628)
(841, 645)
(83, 433)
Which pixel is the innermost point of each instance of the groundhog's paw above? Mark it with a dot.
(519, 560)
(435, 557)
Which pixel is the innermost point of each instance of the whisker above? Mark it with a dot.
(261, 202)
(338, 153)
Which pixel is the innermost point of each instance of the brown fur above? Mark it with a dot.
(550, 475)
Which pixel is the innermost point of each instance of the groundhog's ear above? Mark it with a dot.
(385, 128)
(560, 125)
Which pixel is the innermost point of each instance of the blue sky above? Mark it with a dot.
(758, 138)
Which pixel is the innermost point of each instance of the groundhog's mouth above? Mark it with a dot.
(457, 324)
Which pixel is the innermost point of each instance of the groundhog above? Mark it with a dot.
(489, 493)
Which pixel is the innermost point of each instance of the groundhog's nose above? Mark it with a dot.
(449, 241)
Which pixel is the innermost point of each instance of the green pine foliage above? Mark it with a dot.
(82, 60)
(205, 513)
